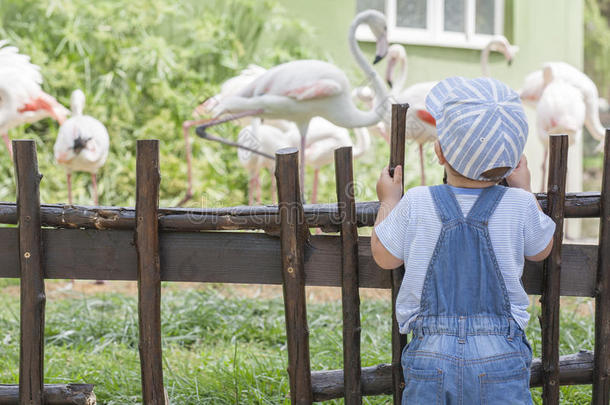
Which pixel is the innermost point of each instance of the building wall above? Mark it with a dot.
(544, 30)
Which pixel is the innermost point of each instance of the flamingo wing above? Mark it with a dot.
(426, 117)
(318, 89)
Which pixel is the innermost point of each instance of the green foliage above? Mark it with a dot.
(144, 65)
(597, 44)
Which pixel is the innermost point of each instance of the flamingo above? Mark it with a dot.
(21, 98)
(300, 90)
(420, 125)
(534, 85)
(560, 110)
(82, 144)
(498, 43)
(228, 88)
(323, 137)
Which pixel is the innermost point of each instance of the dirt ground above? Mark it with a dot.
(65, 289)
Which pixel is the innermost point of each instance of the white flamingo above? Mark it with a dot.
(560, 110)
(228, 88)
(323, 138)
(534, 85)
(21, 98)
(497, 43)
(82, 144)
(300, 90)
(420, 125)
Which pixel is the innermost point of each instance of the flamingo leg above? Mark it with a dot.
(544, 180)
(186, 125)
(302, 165)
(8, 144)
(69, 182)
(421, 164)
(273, 188)
(94, 183)
(251, 191)
(202, 125)
(96, 202)
(314, 193)
(259, 190)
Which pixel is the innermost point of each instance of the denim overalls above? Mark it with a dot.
(466, 346)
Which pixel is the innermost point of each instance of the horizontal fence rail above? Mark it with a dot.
(254, 258)
(575, 369)
(325, 216)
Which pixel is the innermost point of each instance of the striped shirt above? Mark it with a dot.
(517, 228)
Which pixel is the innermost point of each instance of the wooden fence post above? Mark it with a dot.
(397, 157)
(149, 271)
(293, 237)
(346, 201)
(601, 368)
(558, 164)
(33, 299)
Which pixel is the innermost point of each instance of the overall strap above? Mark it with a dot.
(447, 207)
(486, 204)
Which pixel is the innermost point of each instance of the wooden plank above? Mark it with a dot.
(54, 394)
(344, 174)
(243, 257)
(293, 237)
(558, 163)
(574, 369)
(601, 372)
(397, 158)
(33, 299)
(149, 272)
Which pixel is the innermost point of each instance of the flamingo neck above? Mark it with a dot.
(402, 78)
(363, 141)
(485, 61)
(381, 92)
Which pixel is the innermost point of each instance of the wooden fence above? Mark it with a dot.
(150, 244)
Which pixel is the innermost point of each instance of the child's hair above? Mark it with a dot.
(492, 175)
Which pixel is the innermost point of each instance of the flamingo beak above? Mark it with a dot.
(381, 49)
(510, 62)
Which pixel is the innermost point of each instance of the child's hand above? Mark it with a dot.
(389, 189)
(521, 176)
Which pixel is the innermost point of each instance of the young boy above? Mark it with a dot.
(463, 246)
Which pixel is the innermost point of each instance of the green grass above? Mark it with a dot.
(217, 350)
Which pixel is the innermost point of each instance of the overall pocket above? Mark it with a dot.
(423, 387)
(505, 387)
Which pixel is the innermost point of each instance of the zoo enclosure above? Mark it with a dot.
(149, 245)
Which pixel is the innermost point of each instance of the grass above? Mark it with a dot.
(219, 348)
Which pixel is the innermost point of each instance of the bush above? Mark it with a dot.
(144, 65)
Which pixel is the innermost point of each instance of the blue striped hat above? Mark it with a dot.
(480, 123)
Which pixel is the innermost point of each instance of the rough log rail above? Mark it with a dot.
(325, 216)
(54, 394)
(574, 369)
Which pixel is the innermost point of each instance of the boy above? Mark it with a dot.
(463, 246)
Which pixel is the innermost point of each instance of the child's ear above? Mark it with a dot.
(439, 153)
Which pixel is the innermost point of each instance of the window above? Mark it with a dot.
(452, 23)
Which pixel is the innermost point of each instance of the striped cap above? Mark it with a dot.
(480, 123)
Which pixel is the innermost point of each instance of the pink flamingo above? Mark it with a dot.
(82, 144)
(560, 110)
(21, 98)
(300, 90)
(497, 43)
(323, 137)
(534, 85)
(420, 126)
